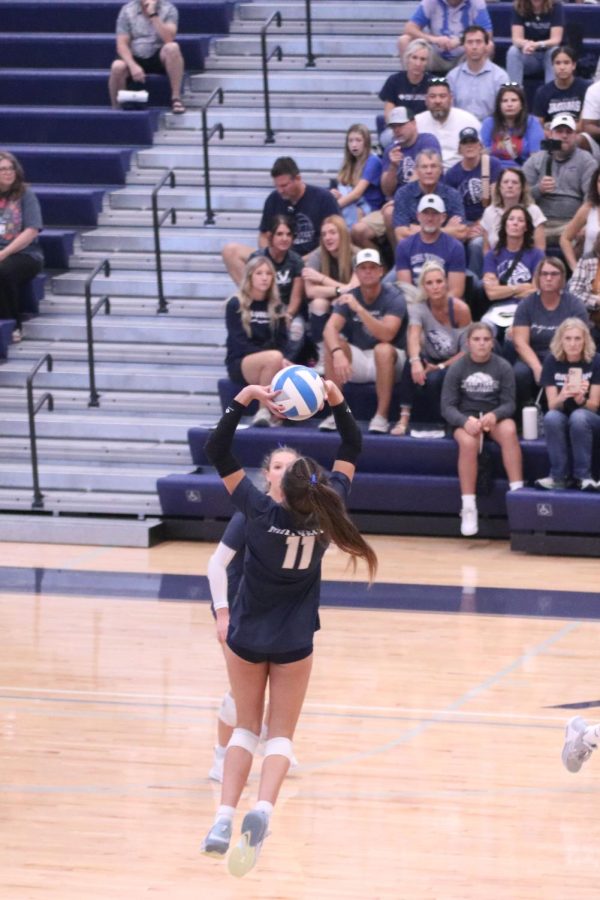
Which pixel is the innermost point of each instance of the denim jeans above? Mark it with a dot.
(570, 441)
(519, 64)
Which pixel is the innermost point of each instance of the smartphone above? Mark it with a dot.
(551, 144)
(574, 379)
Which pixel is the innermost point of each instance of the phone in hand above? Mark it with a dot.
(550, 144)
(574, 379)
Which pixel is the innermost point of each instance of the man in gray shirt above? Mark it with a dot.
(146, 44)
(559, 179)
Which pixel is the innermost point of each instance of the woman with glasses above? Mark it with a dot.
(511, 134)
(21, 257)
(537, 28)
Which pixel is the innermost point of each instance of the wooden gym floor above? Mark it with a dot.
(429, 746)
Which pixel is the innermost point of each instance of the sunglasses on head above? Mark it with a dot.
(438, 80)
(511, 84)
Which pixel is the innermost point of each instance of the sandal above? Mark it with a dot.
(177, 106)
(401, 427)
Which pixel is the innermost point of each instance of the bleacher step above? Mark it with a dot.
(81, 530)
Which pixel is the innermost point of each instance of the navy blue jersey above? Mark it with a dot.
(262, 335)
(234, 537)
(276, 609)
(315, 204)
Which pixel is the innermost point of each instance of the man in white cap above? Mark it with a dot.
(431, 243)
(559, 178)
(365, 338)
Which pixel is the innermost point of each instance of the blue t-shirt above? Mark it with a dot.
(390, 302)
(550, 100)
(542, 322)
(451, 21)
(413, 252)
(468, 185)
(499, 262)
(555, 374)
(276, 609)
(402, 92)
(510, 148)
(537, 27)
(406, 201)
(308, 213)
(371, 172)
(406, 168)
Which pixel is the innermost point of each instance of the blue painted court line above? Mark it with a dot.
(546, 603)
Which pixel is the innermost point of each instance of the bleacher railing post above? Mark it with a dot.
(156, 223)
(276, 17)
(206, 136)
(310, 57)
(32, 409)
(90, 312)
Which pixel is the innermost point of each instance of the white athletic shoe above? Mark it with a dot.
(244, 855)
(216, 770)
(469, 521)
(328, 424)
(216, 843)
(261, 419)
(379, 425)
(576, 750)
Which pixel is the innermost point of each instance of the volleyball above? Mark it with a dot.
(302, 392)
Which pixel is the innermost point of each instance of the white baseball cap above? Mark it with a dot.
(431, 201)
(368, 255)
(563, 119)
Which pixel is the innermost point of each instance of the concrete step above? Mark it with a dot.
(211, 240)
(282, 120)
(292, 99)
(186, 198)
(84, 261)
(261, 158)
(296, 140)
(382, 65)
(97, 424)
(133, 219)
(96, 450)
(197, 406)
(179, 308)
(201, 285)
(334, 13)
(88, 476)
(80, 530)
(244, 44)
(311, 80)
(68, 344)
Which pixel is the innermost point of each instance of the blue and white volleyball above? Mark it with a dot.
(302, 392)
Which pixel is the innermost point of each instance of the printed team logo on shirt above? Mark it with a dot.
(441, 342)
(406, 169)
(260, 316)
(520, 275)
(305, 230)
(471, 190)
(479, 383)
(283, 277)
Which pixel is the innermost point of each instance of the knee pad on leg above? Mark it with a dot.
(245, 739)
(227, 711)
(280, 746)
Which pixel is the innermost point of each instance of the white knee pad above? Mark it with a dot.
(245, 739)
(227, 711)
(280, 746)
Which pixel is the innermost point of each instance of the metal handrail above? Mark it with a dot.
(170, 177)
(310, 57)
(270, 134)
(90, 312)
(38, 497)
(206, 136)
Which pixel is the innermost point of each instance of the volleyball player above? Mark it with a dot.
(272, 623)
(581, 740)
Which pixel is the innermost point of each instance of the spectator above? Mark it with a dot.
(476, 80)
(405, 88)
(441, 23)
(585, 284)
(256, 332)
(511, 134)
(509, 269)
(511, 189)
(474, 177)
(306, 204)
(537, 28)
(478, 400)
(571, 378)
(21, 256)
(564, 93)
(590, 114)
(428, 173)
(536, 320)
(436, 326)
(585, 224)
(146, 45)
(364, 338)
(560, 179)
(358, 191)
(430, 243)
(445, 121)
(398, 166)
(288, 273)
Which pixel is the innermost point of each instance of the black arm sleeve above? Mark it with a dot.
(349, 431)
(218, 446)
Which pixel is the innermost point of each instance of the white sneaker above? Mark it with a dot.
(261, 419)
(328, 424)
(216, 842)
(216, 770)
(379, 425)
(469, 521)
(244, 855)
(575, 750)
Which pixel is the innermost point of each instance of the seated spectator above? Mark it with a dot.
(405, 88)
(21, 257)
(428, 172)
(441, 24)
(509, 269)
(445, 121)
(358, 191)
(579, 235)
(536, 319)
(288, 270)
(590, 114)
(436, 327)
(256, 331)
(564, 93)
(585, 285)
(511, 189)
(328, 273)
(430, 243)
(146, 45)
(511, 134)
(365, 336)
(560, 179)
(571, 378)
(306, 204)
(476, 80)
(478, 400)
(398, 166)
(474, 177)
(537, 28)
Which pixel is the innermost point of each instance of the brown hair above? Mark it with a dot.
(313, 503)
(352, 166)
(524, 199)
(525, 8)
(18, 187)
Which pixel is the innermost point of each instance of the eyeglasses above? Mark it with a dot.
(550, 274)
(7, 168)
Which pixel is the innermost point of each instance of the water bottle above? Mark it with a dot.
(530, 423)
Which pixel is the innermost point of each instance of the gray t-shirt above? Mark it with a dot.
(471, 388)
(389, 302)
(542, 322)
(572, 177)
(16, 216)
(440, 342)
(144, 40)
